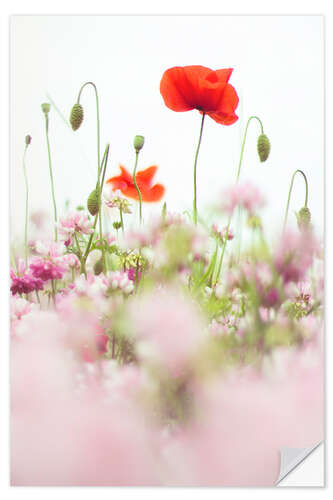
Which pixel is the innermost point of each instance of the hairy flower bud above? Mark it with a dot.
(263, 147)
(46, 108)
(139, 141)
(28, 139)
(98, 267)
(303, 218)
(76, 117)
(93, 202)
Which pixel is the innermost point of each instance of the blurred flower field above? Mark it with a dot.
(180, 349)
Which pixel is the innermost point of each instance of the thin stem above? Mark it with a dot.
(121, 218)
(136, 186)
(78, 246)
(53, 292)
(51, 176)
(105, 160)
(104, 164)
(244, 140)
(98, 124)
(195, 211)
(237, 179)
(289, 194)
(26, 207)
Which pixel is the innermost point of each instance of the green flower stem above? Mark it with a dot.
(195, 211)
(136, 186)
(78, 246)
(244, 140)
(237, 179)
(51, 176)
(121, 219)
(98, 124)
(53, 292)
(289, 194)
(85, 256)
(26, 207)
(105, 159)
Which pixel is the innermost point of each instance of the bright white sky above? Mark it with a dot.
(278, 74)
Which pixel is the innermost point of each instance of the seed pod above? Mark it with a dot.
(46, 107)
(263, 147)
(93, 202)
(98, 267)
(76, 117)
(139, 141)
(303, 218)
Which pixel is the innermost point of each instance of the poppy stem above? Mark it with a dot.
(195, 211)
(100, 189)
(85, 256)
(98, 124)
(136, 186)
(244, 140)
(237, 179)
(51, 175)
(289, 194)
(26, 207)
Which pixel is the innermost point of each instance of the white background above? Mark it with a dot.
(278, 74)
(174, 6)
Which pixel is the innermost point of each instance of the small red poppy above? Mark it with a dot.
(198, 87)
(144, 179)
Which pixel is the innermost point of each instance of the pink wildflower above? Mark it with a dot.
(244, 195)
(119, 280)
(24, 281)
(74, 222)
(294, 255)
(221, 234)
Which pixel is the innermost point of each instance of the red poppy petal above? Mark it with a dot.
(154, 194)
(127, 177)
(229, 100)
(176, 90)
(145, 177)
(224, 74)
(224, 119)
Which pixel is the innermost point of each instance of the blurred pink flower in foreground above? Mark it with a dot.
(243, 195)
(63, 438)
(169, 329)
(243, 422)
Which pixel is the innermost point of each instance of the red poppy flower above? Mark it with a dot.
(197, 87)
(144, 180)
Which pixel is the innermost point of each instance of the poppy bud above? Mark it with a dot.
(254, 222)
(93, 202)
(76, 117)
(98, 267)
(263, 147)
(46, 108)
(303, 218)
(28, 140)
(138, 142)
